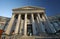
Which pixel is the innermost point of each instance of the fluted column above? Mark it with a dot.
(18, 24)
(33, 24)
(38, 29)
(49, 24)
(58, 22)
(57, 27)
(46, 25)
(42, 28)
(25, 27)
(10, 25)
(21, 27)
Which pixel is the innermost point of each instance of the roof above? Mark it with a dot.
(28, 8)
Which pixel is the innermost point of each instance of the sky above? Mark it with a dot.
(52, 6)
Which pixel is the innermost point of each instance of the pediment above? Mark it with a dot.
(29, 8)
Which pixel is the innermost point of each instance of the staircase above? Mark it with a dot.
(17, 37)
(28, 37)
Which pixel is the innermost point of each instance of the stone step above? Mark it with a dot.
(30, 37)
(26, 37)
(36, 37)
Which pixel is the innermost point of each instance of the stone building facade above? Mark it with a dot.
(31, 22)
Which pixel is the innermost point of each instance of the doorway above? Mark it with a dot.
(29, 30)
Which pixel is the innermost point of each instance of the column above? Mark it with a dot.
(46, 25)
(42, 28)
(33, 25)
(18, 24)
(21, 27)
(49, 24)
(58, 23)
(25, 27)
(56, 26)
(38, 29)
(10, 25)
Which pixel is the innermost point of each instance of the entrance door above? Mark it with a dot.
(29, 30)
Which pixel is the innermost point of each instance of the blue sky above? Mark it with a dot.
(52, 6)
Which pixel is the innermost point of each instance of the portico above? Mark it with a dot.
(28, 21)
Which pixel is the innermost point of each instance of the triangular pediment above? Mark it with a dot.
(28, 8)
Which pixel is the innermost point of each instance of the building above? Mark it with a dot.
(3, 21)
(31, 22)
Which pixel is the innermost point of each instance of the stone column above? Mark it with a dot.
(42, 28)
(49, 24)
(33, 24)
(57, 27)
(58, 22)
(25, 27)
(38, 29)
(21, 27)
(37, 19)
(46, 25)
(18, 24)
(10, 25)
